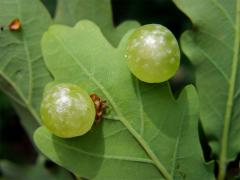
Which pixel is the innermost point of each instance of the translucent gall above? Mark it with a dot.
(152, 53)
(67, 110)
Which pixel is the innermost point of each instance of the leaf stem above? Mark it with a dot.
(229, 105)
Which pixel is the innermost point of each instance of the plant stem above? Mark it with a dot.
(230, 100)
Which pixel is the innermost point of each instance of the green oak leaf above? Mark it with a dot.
(98, 11)
(146, 135)
(23, 73)
(213, 48)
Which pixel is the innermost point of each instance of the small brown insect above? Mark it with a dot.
(15, 25)
(100, 107)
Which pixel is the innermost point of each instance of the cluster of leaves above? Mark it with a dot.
(148, 134)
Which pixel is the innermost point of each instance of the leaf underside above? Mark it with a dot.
(147, 134)
(23, 73)
(213, 48)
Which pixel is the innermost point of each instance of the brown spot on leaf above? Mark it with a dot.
(15, 25)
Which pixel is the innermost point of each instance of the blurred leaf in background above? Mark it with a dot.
(14, 142)
(39, 171)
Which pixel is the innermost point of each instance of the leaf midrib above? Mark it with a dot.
(126, 123)
(230, 99)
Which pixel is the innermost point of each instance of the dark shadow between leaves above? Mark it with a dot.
(82, 155)
(207, 152)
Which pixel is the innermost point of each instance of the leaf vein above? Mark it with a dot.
(177, 145)
(139, 96)
(79, 150)
(20, 95)
(220, 7)
(214, 64)
(216, 38)
(115, 133)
